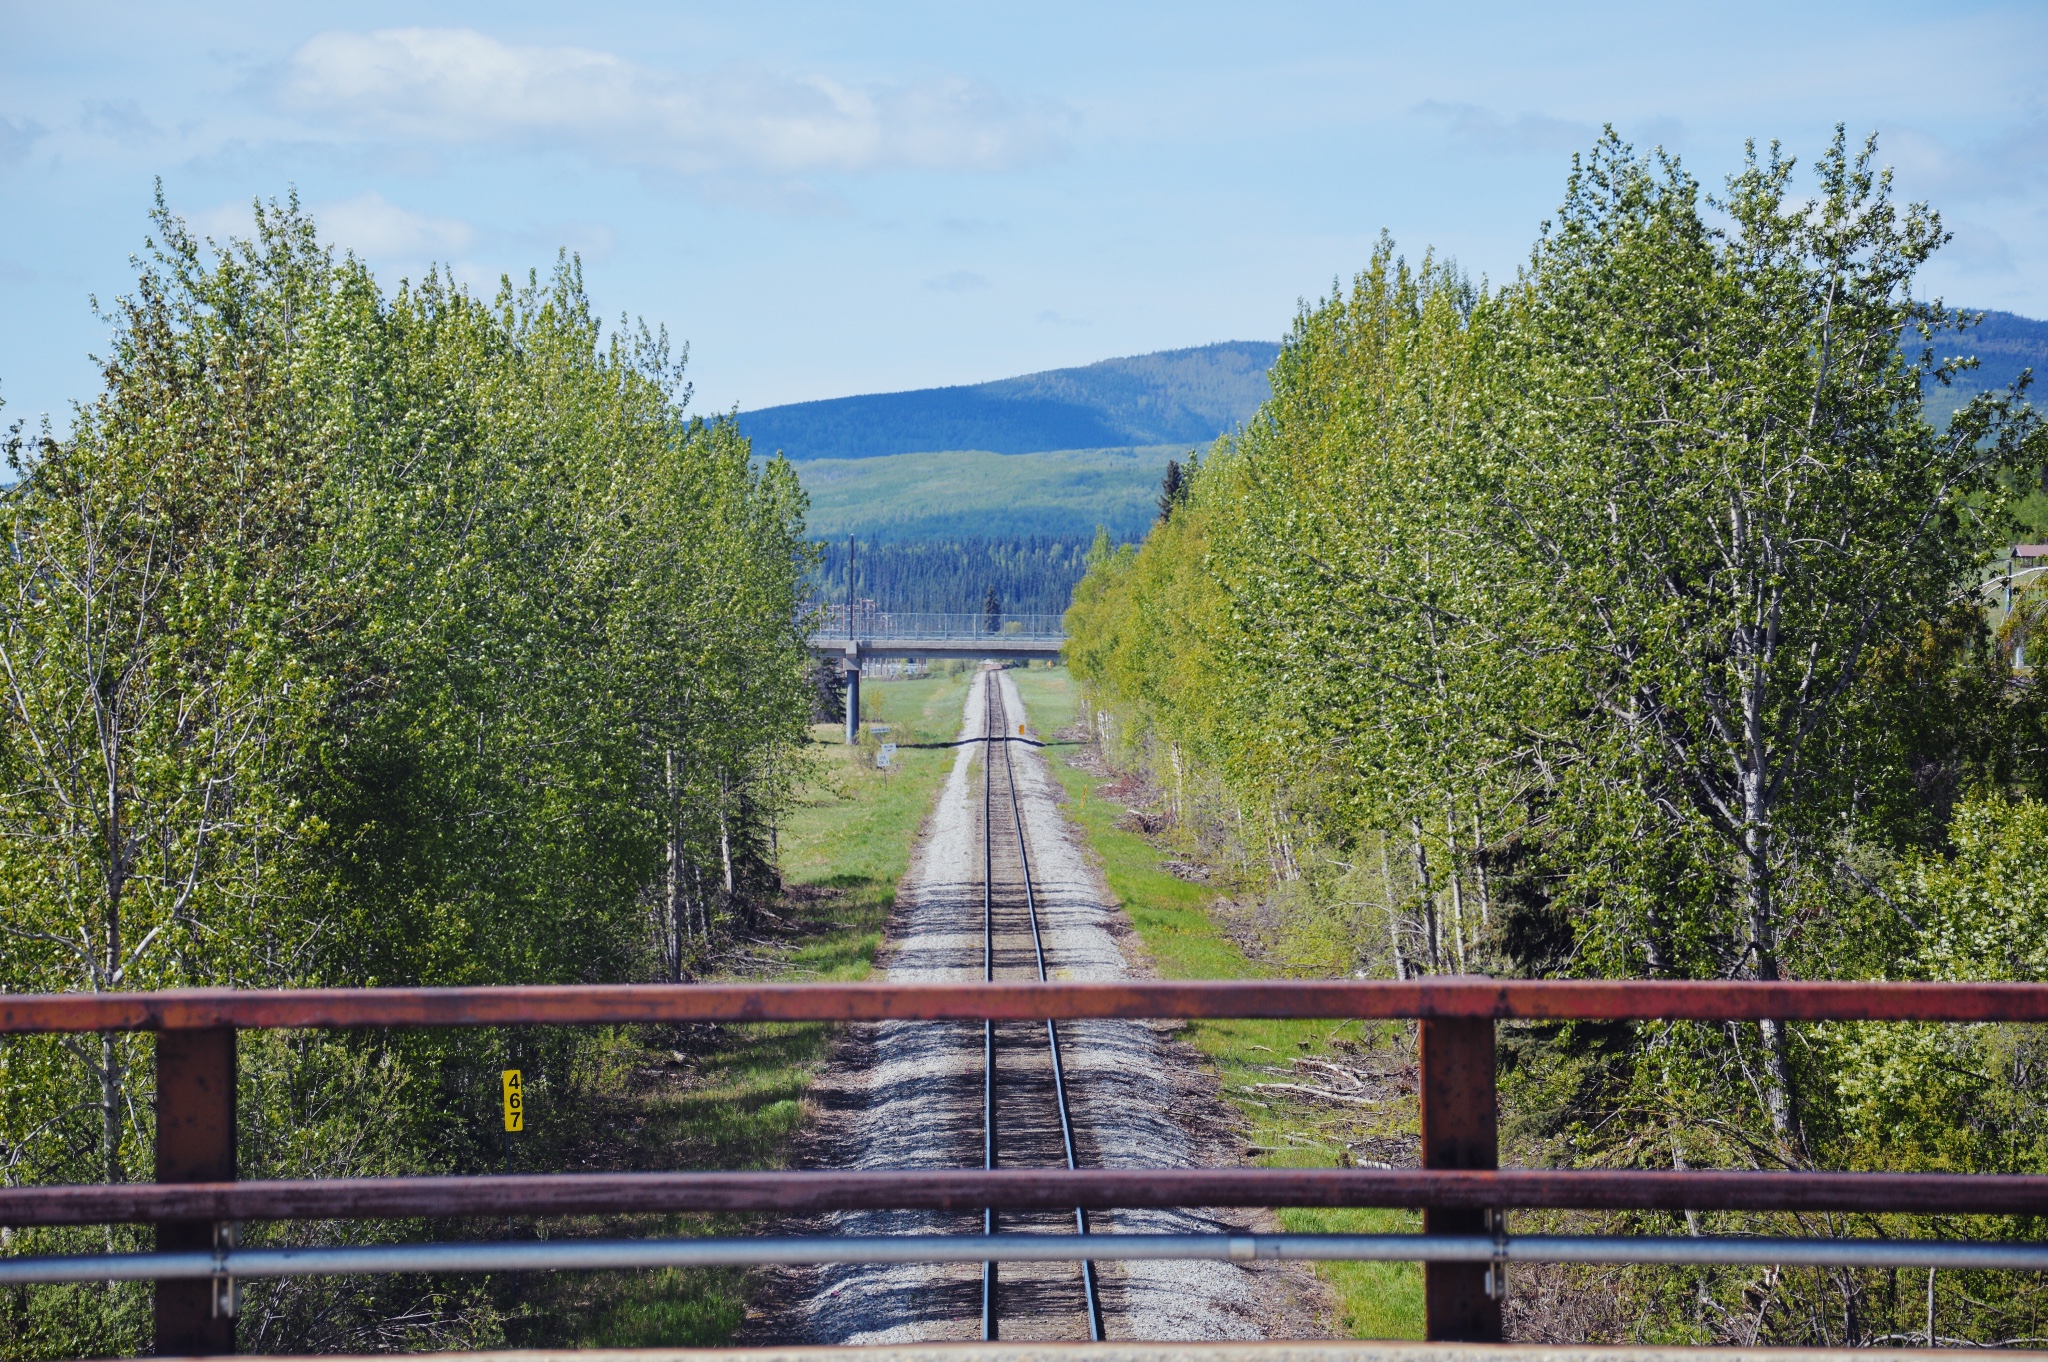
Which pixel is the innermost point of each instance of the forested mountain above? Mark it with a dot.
(1171, 397)
(1030, 576)
(1624, 623)
(2003, 344)
(938, 526)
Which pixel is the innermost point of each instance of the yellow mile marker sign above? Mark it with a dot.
(515, 1101)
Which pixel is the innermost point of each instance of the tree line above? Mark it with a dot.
(1029, 575)
(355, 637)
(1625, 621)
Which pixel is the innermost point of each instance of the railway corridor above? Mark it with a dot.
(914, 1094)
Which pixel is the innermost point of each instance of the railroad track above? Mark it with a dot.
(1026, 1120)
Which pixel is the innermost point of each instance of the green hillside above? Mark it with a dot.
(973, 493)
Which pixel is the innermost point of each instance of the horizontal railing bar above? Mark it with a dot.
(1024, 1189)
(617, 1254)
(831, 625)
(597, 1004)
(836, 638)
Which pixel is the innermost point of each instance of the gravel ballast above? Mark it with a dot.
(909, 1095)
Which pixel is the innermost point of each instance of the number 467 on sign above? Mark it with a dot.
(515, 1101)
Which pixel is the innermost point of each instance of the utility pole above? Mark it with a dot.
(852, 657)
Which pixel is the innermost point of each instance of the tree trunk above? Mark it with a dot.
(110, 1105)
(1457, 888)
(1780, 1101)
(1393, 912)
(1479, 868)
(1427, 889)
(725, 855)
(110, 974)
(677, 914)
(1678, 1164)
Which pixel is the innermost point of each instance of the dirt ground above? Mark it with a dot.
(909, 1095)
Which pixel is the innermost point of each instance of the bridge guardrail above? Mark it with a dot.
(869, 624)
(1463, 1194)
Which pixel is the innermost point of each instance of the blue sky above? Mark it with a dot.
(826, 199)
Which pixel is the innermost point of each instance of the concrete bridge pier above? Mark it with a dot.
(852, 693)
(930, 638)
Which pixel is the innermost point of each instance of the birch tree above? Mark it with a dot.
(1723, 497)
(154, 605)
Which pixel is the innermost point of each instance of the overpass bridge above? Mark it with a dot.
(854, 636)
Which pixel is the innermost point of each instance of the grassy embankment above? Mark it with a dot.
(736, 1098)
(1377, 1300)
(975, 493)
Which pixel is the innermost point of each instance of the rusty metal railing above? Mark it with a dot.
(1463, 1195)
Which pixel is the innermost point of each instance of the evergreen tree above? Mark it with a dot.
(1172, 490)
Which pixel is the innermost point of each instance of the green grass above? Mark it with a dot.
(738, 1097)
(972, 492)
(852, 832)
(1376, 1300)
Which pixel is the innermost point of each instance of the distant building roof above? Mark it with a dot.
(2030, 551)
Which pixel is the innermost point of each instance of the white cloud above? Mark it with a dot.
(454, 85)
(373, 226)
(959, 281)
(369, 224)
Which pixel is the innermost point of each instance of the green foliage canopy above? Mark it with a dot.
(372, 639)
(1634, 604)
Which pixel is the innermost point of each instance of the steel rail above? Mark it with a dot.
(617, 1254)
(1096, 1331)
(988, 1025)
(1023, 1189)
(627, 1004)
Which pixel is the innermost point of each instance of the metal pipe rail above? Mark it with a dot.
(229, 1264)
(197, 1196)
(1022, 1189)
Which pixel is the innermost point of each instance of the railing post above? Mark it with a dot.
(1459, 1130)
(195, 1142)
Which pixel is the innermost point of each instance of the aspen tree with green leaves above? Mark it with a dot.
(1721, 501)
(356, 637)
(1622, 621)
